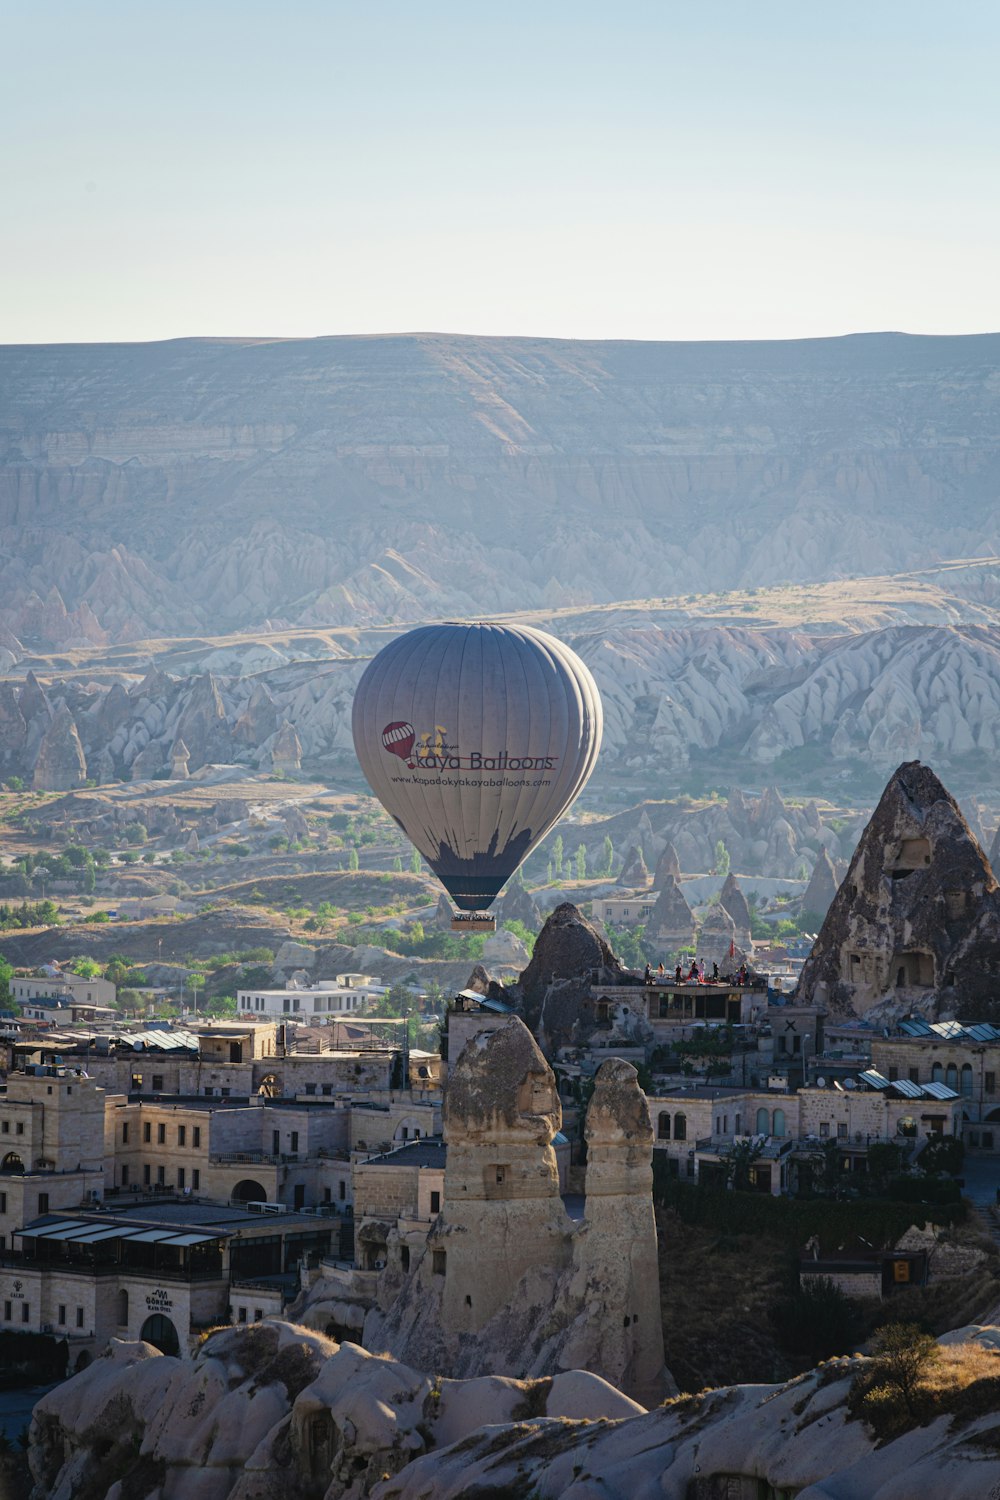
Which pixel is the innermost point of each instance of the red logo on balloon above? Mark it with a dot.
(398, 739)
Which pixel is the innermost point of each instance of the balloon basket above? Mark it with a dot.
(472, 921)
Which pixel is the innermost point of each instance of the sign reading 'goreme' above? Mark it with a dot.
(476, 738)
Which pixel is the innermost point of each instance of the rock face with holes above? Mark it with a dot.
(507, 1283)
(915, 925)
(553, 992)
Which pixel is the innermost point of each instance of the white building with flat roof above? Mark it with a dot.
(316, 1003)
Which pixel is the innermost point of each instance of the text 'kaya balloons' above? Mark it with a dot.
(476, 738)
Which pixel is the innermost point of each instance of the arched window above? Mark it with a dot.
(967, 1080)
(12, 1163)
(778, 1122)
(763, 1122)
(123, 1308)
(680, 1127)
(663, 1126)
(907, 1126)
(937, 1073)
(951, 1077)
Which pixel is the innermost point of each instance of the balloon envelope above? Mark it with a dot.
(476, 738)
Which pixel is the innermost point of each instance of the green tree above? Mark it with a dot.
(581, 862)
(557, 853)
(902, 1354)
(221, 1005)
(522, 931)
(86, 968)
(195, 982)
(884, 1160)
(609, 855)
(722, 860)
(353, 863)
(818, 1320)
(89, 878)
(6, 975)
(397, 865)
(738, 1161)
(943, 1153)
(415, 864)
(135, 833)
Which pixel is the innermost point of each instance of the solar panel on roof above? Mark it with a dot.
(983, 1031)
(874, 1080)
(906, 1088)
(948, 1029)
(915, 1027)
(939, 1091)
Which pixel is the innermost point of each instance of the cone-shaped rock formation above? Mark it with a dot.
(915, 924)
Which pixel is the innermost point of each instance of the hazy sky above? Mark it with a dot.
(671, 169)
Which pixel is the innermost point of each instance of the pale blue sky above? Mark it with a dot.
(722, 169)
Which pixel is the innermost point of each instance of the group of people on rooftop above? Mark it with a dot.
(695, 975)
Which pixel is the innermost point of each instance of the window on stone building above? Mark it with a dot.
(146, 1177)
(19, 1128)
(680, 1127)
(161, 1176)
(343, 1192)
(147, 1132)
(295, 1140)
(124, 1135)
(907, 1126)
(182, 1135)
(842, 1130)
(990, 1083)
(796, 1044)
(404, 1257)
(778, 1123)
(951, 1076)
(966, 1084)
(438, 1262)
(124, 1176)
(258, 1314)
(181, 1178)
(763, 1126)
(893, 1073)
(241, 1315)
(782, 1044)
(5, 1127)
(79, 1317)
(3, 1203)
(435, 1203)
(43, 1203)
(663, 1125)
(25, 1312)
(62, 1314)
(937, 1073)
(157, 1083)
(6, 1312)
(161, 1135)
(196, 1136)
(196, 1179)
(824, 1128)
(914, 1075)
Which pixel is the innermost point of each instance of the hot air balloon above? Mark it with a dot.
(476, 738)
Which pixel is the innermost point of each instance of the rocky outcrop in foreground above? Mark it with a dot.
(276, 1413)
